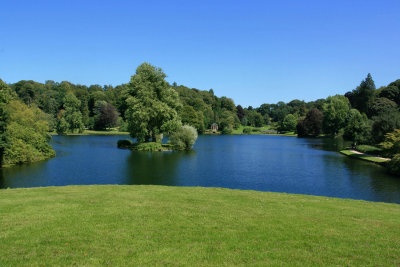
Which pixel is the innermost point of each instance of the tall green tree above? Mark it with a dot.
(357, 128)
(152, 104)
(72, 114)
(335, 112)
(363, 94)
(312, 124)
(5, 97)
(289, 123)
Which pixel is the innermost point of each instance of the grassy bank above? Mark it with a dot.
(365, 157)
(156, 225)
(92, 132)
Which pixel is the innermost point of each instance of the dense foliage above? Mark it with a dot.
(184, 138)
(152, 105)
(149, 106)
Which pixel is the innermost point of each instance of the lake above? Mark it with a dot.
(256, 162)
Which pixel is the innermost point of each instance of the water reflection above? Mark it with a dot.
(265, 163)
(154, 167)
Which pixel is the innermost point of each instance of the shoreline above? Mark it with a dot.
(365, 157)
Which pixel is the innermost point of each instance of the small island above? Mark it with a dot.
(152, 112)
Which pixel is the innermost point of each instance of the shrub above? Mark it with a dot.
(391, 145)
(394, 165)
(226, 131)
(125, 143)
(184, 138)
(149, 146)
(247, 130)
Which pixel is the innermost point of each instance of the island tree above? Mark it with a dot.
(152, 105)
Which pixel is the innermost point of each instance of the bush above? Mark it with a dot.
(226, 131)
(149, 146)
(255, 130)
(369, 149)
(247, 130)
(184, 138)
(394, 165)
(126, 143)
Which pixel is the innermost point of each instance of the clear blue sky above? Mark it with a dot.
(252, 51)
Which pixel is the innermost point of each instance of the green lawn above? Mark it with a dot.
(92, 132)
(363, 156)
(158, 225)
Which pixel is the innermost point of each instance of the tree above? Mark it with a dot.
(254, 118)
(312, 124)
(383, 124)
(152, 103)
(184, 138)
(382, 105)
(391, 144)
(240, 112)
(27, 135)
(335, 112)
(392, 93)
(357, 129)
(106, 115)
(72, 114)
(363, 94)
(5, 97)
(190, 117)
(289, 123)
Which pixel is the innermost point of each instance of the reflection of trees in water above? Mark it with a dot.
(159, 168)
(328, 144)
(25, 175)
(2, 182)
(369, 177)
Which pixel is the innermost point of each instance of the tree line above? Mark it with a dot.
(364, 115)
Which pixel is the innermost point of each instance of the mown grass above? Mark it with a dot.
(92, 132)
(364, 157)
(158, 225)
(260, 131)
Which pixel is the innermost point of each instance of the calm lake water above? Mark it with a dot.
(265, 163)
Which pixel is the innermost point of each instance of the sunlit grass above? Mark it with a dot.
(158, 225)
(364, 157)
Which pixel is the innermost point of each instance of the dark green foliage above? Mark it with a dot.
(247, 130)
(392, 93)
(62, 126)
(240, 112)
(373, 150)
(106, 116)
(393, 166)
(382, 105)
(124, 144)
(357, 128)
(383, 124)
(311, 125)
(149, 147)
(5, 98)
(363, 94)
